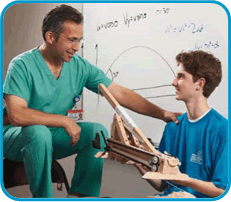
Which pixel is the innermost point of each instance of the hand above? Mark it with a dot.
(171, 116)
(73, 130)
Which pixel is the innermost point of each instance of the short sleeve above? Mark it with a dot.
(96, 77)
(17, 81)
(166, 140)
(162, 142)
(220, 158)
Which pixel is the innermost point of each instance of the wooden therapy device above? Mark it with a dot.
(128, 142)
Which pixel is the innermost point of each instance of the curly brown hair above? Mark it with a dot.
(201, 64)
(54, 20)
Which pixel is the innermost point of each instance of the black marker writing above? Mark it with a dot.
(108, 25)
(208, 45)
(115, 74)
(128, 18)
(162, 11)
(191, 27)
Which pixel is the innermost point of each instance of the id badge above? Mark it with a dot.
(76, 115)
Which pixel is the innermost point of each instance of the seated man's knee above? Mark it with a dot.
(38, 133)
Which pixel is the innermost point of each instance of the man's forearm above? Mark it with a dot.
(207, 188)
(27, 116)
(133, 101)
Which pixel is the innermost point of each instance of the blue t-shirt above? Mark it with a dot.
(30, 78)
(202, 148)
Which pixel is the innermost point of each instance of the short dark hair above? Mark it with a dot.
(201, 64)
(54, 20)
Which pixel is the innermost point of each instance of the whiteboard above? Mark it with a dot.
(135, 44)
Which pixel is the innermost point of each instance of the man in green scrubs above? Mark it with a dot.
(39, 89)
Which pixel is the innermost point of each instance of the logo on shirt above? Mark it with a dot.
(197, 158)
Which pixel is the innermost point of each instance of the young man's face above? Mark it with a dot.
(186, 89)
(68, 42)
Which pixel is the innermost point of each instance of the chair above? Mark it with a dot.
(14, 174)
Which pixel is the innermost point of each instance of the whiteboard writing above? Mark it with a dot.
(163, 11)
(207, 45)
(129, 18)
(108, 25)
(186, 27)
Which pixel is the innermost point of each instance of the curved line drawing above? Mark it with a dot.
(141, 47)
(111, 73)
(139, 89)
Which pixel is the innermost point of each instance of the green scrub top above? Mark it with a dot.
(30, 78)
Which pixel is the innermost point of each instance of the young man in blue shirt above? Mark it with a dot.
(200, 140)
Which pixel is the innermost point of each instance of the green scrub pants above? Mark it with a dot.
(38, 145)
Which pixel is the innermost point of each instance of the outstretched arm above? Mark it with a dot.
(207, 188)
(133, 101)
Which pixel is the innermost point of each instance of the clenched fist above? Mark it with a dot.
(73, 130)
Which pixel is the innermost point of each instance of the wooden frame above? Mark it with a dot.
(128, 142)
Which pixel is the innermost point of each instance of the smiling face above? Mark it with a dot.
(68, 42)
(186, 89)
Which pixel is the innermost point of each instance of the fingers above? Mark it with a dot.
(74, 139)
(172, 116)
(74, 131)
(176, 114)
(175, 120)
